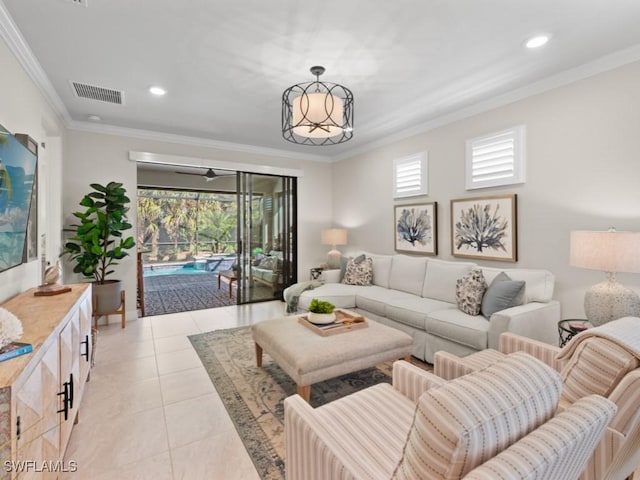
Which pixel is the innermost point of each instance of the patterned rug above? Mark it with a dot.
(165, 294)
(254, 396)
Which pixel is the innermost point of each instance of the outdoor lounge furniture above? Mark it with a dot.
(496, 423)
(269, 270)
(603, 360)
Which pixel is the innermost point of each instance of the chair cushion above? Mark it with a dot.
(470, 290)
(413, 310)
(372, 426)
(538, 283)
(503, 293)
(381, 269)
(467, 421)
(375, 299)
(596, 366)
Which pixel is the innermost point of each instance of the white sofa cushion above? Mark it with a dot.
(374, 299)
(342, 296)
(441, 277)
(538, 283)
(381, 269)
(459, 327)
(413, 311)
(407, 274)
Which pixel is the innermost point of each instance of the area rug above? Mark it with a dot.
(254, 397)
(165, 294)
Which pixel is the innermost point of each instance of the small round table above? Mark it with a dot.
(570, 327)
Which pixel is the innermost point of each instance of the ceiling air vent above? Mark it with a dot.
(93, 92)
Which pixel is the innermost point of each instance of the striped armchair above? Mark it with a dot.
(495, 423)
(604, 360)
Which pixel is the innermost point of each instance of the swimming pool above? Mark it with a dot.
(157, 270)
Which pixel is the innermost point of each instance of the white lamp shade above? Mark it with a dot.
(334, 236)
(606, 251)
(318, 115)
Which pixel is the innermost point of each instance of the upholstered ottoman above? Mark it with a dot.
(309, 358)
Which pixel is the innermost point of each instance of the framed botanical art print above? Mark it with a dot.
(484, 228)
(416, 228)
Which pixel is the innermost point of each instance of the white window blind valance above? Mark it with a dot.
(410, 176)
(496, 159)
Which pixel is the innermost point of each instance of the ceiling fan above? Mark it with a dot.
(209, 175)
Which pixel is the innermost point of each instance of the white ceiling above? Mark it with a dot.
(225, 64)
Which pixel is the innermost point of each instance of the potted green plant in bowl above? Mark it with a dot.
(321, 312)
(98, 241)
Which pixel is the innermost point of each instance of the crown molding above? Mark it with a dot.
(595, 67)
(106, 129)
(22, 52)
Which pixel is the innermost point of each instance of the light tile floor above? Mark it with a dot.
(150, 410)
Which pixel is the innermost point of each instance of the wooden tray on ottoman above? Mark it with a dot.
(345, 321)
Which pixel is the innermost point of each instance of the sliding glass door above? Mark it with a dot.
(267, 236)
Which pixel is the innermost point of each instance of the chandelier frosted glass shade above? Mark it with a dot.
(317, 113)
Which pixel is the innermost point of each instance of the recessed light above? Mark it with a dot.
(159, 91)
(537, 41)
(94, 118)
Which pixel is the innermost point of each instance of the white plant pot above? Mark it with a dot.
(107, 295)
(321, 318)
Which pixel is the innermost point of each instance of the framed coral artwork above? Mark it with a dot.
(416, 228)
(485, 228)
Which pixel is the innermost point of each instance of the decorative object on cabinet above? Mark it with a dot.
(98, 242)
(51, 286)
(485, 228)
(610, 252)
(416, 229)
(14, 349)
(334, 237)
(10, 327)
(41, 392)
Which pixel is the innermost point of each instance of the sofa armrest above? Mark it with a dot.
(533, 320)
(412, 381)
(510, 343)
(331, 276)
(626, 396)
(311, 451)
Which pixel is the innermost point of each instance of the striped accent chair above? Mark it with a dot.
(499, 419)
(589, 364)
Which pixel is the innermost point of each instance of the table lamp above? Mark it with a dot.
(333, 237)
(610, 252)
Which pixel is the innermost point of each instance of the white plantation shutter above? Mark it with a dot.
(410, 175)
(496, 159)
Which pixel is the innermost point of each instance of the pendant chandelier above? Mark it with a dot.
(317, 113)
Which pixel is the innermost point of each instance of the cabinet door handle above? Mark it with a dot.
(18, 430)
(65, 399)
(71, 390)
(85, 354)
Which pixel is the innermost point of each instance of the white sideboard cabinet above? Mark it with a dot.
(40, 392)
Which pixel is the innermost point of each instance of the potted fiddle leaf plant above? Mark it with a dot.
(98, 242)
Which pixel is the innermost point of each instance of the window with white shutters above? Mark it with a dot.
(410, 176)
(496, 159)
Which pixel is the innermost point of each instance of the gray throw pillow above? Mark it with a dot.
(503, 293)
(343, 267)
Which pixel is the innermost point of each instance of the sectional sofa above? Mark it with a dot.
(418, 296)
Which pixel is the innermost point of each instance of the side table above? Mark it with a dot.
(315, 273)
(570, 327)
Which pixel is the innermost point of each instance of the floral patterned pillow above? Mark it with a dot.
(470, 290)
(359, 273)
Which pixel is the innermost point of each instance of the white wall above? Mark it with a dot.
(24, 110)
(583, 172)
(94, 158)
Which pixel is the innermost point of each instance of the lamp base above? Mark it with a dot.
(333, 258)
(610, 300)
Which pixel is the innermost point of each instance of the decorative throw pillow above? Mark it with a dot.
(470, 290)
(503, 293)
(359, 273)
(267, 263)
